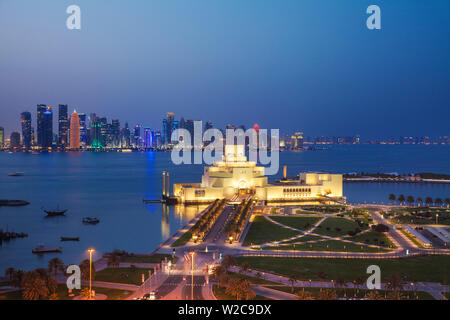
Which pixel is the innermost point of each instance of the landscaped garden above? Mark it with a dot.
(421, 268)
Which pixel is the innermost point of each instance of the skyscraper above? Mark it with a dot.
(96, 135)
(74, 131)
(63, 126)
(137, 136)
(25, 119)
(44, 126)
(148, 138)
(2, 137)
(83, 139)
(14, 141)
(168, 127)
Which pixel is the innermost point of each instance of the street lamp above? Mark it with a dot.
(231, 239)
(192, 275)
(90, 250)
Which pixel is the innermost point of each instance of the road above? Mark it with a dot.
(217, 235)
(196, 293)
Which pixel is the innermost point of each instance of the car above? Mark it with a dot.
(146, 296)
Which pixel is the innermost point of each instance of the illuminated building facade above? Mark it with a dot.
(44, 126)
(25, 119)
(234, 176)
(63, 126)
(74, 131)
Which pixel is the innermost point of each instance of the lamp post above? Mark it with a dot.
(192, 275)
(90, 271)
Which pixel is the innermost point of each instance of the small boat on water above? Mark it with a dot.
(56, 212)
(91, 220)
(16, 174)
(13, 203)
(42, 249)
(70, 239)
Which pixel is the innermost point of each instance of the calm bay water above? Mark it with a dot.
(111, 186)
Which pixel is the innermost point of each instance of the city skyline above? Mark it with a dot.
(285, 73)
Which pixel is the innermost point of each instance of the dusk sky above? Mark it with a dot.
(297, 65)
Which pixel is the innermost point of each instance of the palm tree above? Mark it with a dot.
(113, 260)
(428, 200)
(9, 273)
(373, 295)
(244, 267)
(401, 199)
(438, 201)
(419, 201)
(84, 268)
(447, 202)
(327, 294)
(392, 197)
(248, 292)
(410, 199)
(304, 295)
(218, 272)
(395, 282)
(34, 287)
(292, 280)
(55, 265)
(17, 278)
(228, 261)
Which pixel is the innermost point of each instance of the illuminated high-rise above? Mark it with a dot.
(63, 126)
(25, 119)
(2, 137)
(74, 131)
(14, 140)
(148, 138)
(83, 139)
(44, 126)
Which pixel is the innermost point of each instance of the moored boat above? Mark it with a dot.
(90, 220)
(42, 249)
(70, 239)
(56, 212)
(16, 174)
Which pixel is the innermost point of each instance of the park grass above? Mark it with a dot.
(306, 212)
(219, 293)
(262, 231)
(374, 238)
(181, 241)
(122, 275)
(351, 293)
(302, 223)
(308, 237)
(419, 268)
(329, 245)
(154, 258)
(336, 227)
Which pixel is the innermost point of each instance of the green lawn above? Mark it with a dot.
(330, 245)
(181, 241)
(302, 223)
(414, 240)
(154, 258)
(353, 293)
(336, 227)
(122, 275)
(423, 268)
(262, 231)
(305, 212)
(373, 237)
(308, 237)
